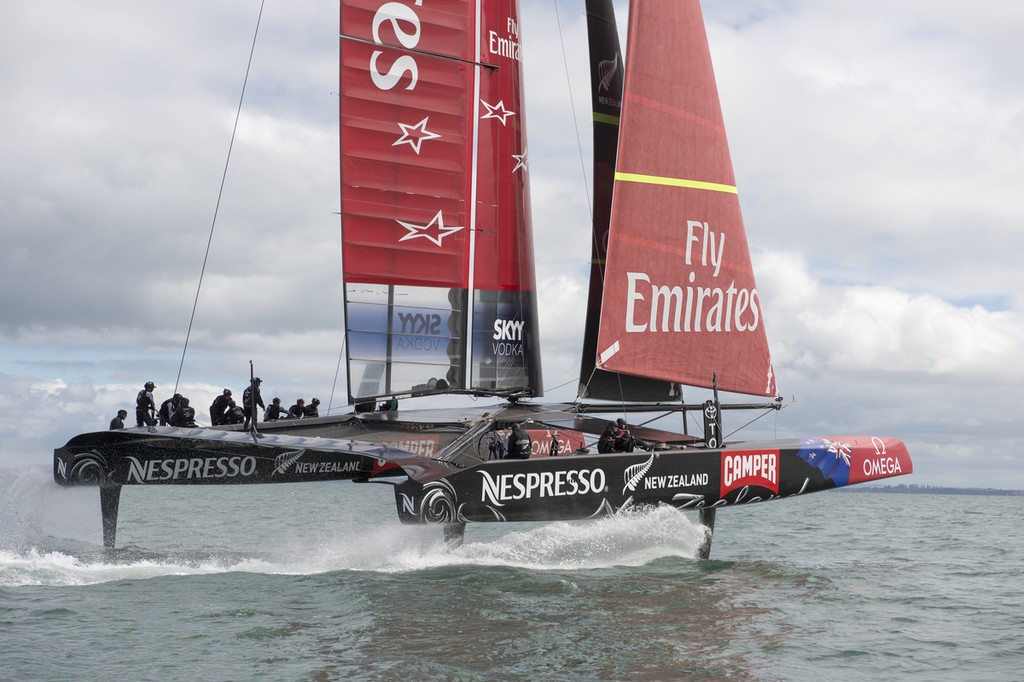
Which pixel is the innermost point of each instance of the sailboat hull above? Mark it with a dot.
(588, 486)
(431, 489)
(207, 456)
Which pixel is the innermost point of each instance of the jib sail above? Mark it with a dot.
(680, 302)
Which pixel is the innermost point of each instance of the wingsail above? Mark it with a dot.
(680, 302)
(437, 236)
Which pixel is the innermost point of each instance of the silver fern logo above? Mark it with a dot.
(285, 460)
(606, 71)
(635, 473)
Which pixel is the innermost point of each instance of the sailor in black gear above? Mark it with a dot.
(234, 414)
(184, 415)
(219, 408)
(167, 409)
(312, 410)
(118, 421)
(298, 410)
(274, 411)
(519, 444)
(615, 438)
(248, 399)
(145, 407)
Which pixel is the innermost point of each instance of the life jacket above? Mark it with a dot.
(521, 447)
(606, 443)
(184, 416)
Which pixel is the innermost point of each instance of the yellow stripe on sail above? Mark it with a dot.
(675, 182)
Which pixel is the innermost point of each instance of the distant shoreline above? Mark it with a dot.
(931, 490)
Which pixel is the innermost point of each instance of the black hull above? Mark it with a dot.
(589, 486)
(174, 456)
(459, 490)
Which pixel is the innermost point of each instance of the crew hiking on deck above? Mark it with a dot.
(167, 409)
(616, 438)
(275, 411)
(297, 410)
(220, 407)
(118, 421)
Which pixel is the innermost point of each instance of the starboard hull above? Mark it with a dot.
(587, 486)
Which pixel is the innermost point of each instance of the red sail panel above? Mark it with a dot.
(505, 340)
(406, 127)
(504, 238)
(435, 199)
(680, 302)
(408, 109)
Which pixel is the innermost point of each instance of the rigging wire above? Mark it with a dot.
(337, 370)
(220, 194)
(572, 107)
(341, 353)
(564, 383)
(758, 417)
(590, 200)
(579, 148)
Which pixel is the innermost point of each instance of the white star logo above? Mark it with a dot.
(414, 135)
(436, 225)
(497, 111)
(521, 162)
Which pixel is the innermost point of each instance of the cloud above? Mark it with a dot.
(877, 328)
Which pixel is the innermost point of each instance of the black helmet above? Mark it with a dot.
(227, 392)
(150, 385)
(620, 421)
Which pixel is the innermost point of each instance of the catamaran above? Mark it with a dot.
(441, 296)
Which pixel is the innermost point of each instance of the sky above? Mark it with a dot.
(877, 148)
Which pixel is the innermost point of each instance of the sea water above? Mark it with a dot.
(320, 582)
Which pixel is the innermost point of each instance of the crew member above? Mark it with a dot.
(251, 396)
(167, 408)
(275, 411)
(298, 410)
(519, 444)
(615, 438)
(185, 415)
(312, 410)
(145, 406)
(118, 421)
(219, 408)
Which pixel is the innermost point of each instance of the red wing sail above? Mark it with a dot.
(680, 302)
(437, 243)
(406, 85)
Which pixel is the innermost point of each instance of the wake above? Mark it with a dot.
(48, 536)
